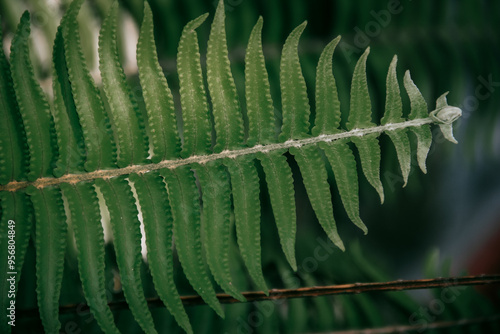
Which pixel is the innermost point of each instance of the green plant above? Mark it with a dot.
(65, 151)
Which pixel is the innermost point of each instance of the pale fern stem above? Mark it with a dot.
(172, 164)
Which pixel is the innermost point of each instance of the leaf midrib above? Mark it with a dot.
(201, 159)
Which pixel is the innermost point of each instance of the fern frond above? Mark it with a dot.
(245, 189)
(13, 146)
(50, 245)
(294, 100)
(314, 175)
(33, 105)
(418, 110)
(214, 180)
(188, 188)
(393, 114)
(70, 141)
(184, 201)
(127, 241)
(343, 164)
(89, 237)
(225, 103)
(158, 98)
(158, 225)
(280, 187)
(360, 118)
(196, 116)
(99, 143)
(258, 92)
(327, 99)
(124, 114)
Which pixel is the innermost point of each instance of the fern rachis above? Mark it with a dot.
(78, 134)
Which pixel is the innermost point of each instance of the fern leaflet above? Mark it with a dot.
(197, 176)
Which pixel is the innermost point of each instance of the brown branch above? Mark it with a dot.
(420, 328)
(352, 288)
(315, 291)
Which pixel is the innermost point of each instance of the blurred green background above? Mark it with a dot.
(447, 45)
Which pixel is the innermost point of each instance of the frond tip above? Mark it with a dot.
(444, 116)
(199, 176)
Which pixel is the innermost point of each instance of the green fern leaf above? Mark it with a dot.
(360, 114)
(393, 114)
(327, 100)
(99, 142)
(245, 189)
(50, 244)
(280, 187)
(86, 221)
(294, 98)
(343, 165)
(127, 241)
(226, 107)
(125, 115)
(419, 110)
(69, 133)
(196, 116)
(33, 105)
(157, 95)
(328, 122)
(258, 92)
(158, 225)
(13, 146)
(184, 201)
(314, 175)
(359, 118)
(216, 191)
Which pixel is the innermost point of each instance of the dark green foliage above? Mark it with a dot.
(201, 188)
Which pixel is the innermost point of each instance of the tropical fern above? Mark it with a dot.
(56, 156)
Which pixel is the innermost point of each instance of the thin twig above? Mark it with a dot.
(315, 291)
(421, 327)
